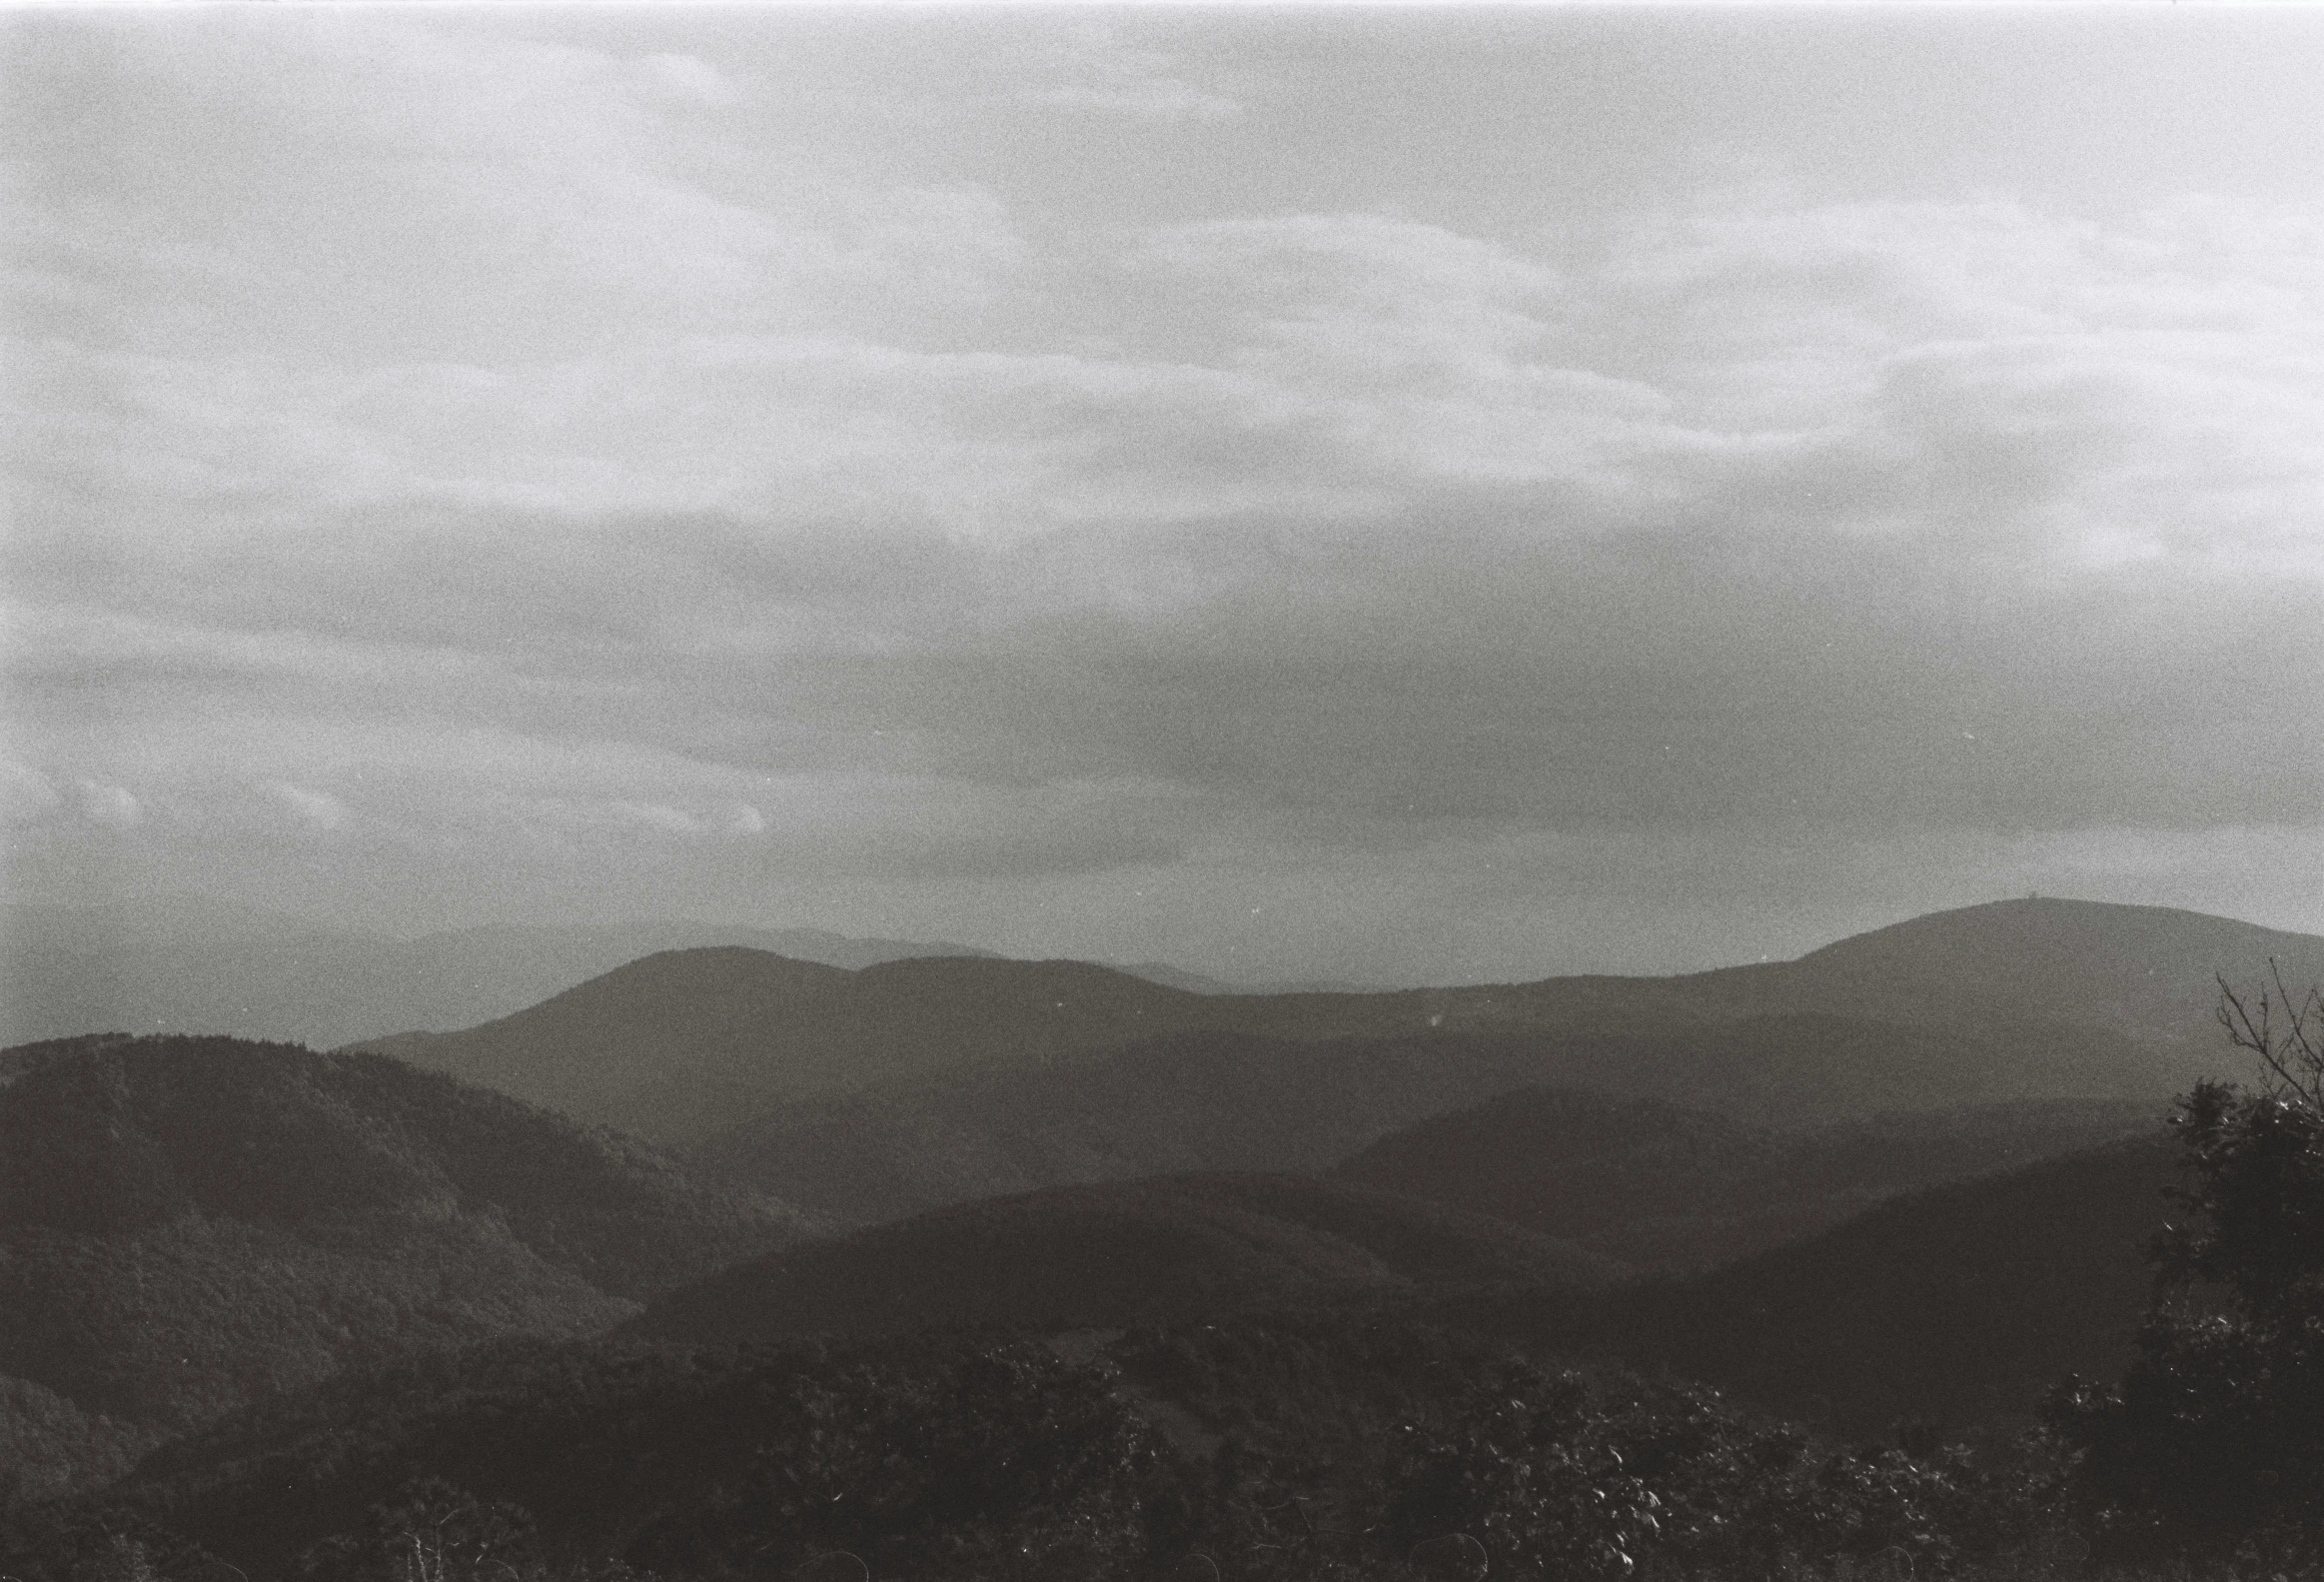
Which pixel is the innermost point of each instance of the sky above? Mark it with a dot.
(1386, 496)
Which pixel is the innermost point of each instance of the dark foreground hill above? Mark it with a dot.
(1959, 1305)
(1334, 1436)
(189, 1223)
(1657, 1184)
(1955, 1306)
(1145, 1252)
(1328, 1444)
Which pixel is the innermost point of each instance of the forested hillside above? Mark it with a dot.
(678, 1042)
(189, 1223)
(1953, 1308)
(1665, 1186)
(1284, 1448)
(1236, 1102)
(1161, 1247)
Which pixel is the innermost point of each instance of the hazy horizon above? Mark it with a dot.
(1377, 496)
(183, 914)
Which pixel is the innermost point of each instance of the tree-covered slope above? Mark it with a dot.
(1206, 1100)
(1118, 1253)
(1275, 1448)
(1658, 1184)
(1959, 1305)
(189, 1223)
(673, 1045)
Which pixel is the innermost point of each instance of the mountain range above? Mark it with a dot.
(915, 1082)
(911, 1084)
(673, 1045)
(1907, 1178)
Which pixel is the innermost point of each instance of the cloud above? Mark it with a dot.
(111, 805)
(1089, 66)
(318, 809)
(25, 793)
(475, 446)
(687, 79)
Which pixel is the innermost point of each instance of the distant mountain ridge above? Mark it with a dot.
(189, 967)
(676, 1042)
(1169, 977)
(2144, 972)
(910, 1084)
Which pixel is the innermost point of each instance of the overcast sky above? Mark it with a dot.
(1419, 496)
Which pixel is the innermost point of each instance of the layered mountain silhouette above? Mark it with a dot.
(1662, 1185)
(175, 964)
(2010, 1003)
(189, 1223)
(673, 1044)
(1151, 1250)
(189, 1226)
(1204, 1100)
(1954, 1305)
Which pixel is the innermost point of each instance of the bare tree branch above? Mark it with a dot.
(2286, 1032)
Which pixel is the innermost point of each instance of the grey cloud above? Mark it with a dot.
(470, 491)
(1539, 673)
(1675, 681)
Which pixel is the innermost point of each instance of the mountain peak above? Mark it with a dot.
(2148, 974)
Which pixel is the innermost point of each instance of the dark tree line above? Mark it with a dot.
(2211, 1446)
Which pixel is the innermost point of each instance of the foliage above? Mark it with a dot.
(1284, 1448)
(72, 1542)
(49, 1446)
(993, 1459)
(940, 1456)
(1557, 1476)
(432, 1533)
(2211, 1446)
(189, 1224)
